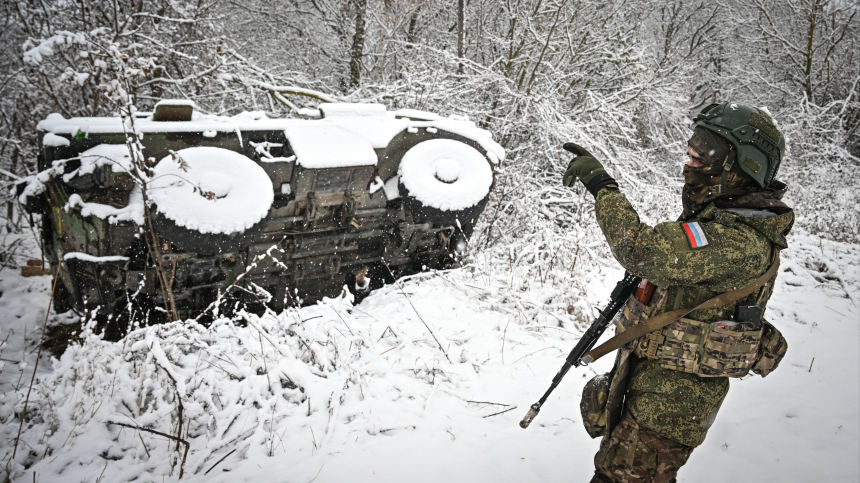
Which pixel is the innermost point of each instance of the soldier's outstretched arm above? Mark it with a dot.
(680, 253)
(719, 252)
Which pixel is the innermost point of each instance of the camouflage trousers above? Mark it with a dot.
(633, 453)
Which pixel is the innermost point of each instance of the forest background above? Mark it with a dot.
(619, 77)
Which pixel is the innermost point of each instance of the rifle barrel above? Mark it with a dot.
(623, 290)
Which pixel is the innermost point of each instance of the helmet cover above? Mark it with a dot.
(752, 133)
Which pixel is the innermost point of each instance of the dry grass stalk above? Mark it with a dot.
(159, 433)
(38, 356)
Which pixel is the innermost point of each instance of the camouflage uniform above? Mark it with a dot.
(655, 415)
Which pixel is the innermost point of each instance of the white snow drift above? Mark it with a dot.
(117, 156)
(348, 131)
(319, 145)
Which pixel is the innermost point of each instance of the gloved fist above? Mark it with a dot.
(587, 169)
(576, 149)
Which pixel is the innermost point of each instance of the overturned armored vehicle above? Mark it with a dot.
(249, 210)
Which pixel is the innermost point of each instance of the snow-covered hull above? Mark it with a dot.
(303, 215)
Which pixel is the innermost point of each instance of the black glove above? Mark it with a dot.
(588, 169)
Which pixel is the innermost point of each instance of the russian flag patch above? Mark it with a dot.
(695, 234)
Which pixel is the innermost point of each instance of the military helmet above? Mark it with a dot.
(752, 133)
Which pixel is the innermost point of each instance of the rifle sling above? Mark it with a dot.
(666, 318)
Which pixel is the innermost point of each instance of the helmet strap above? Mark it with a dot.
(727, 166)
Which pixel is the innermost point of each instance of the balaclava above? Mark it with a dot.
(715, 179)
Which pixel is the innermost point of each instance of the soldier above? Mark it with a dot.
(667, 387)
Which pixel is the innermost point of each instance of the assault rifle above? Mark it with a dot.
(577, 357)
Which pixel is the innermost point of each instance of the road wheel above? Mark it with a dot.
(209, 200)
(445, 182)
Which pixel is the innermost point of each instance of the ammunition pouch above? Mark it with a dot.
(592, 406)
(704, 349)
(771, 350)
(707, 349)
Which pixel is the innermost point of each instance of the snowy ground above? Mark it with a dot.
(332, 393)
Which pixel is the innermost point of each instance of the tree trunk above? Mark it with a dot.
(10, 205)
(357, 43)
(810, 51)
(413, 28)
(461, 29)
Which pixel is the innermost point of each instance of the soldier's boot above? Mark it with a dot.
(633, 453)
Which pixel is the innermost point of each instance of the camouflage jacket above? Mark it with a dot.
(737, 249)
(735, 245)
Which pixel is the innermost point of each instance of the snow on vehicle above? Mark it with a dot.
(302, 205)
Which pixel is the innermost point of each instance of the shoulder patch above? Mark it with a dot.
(695, 234)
